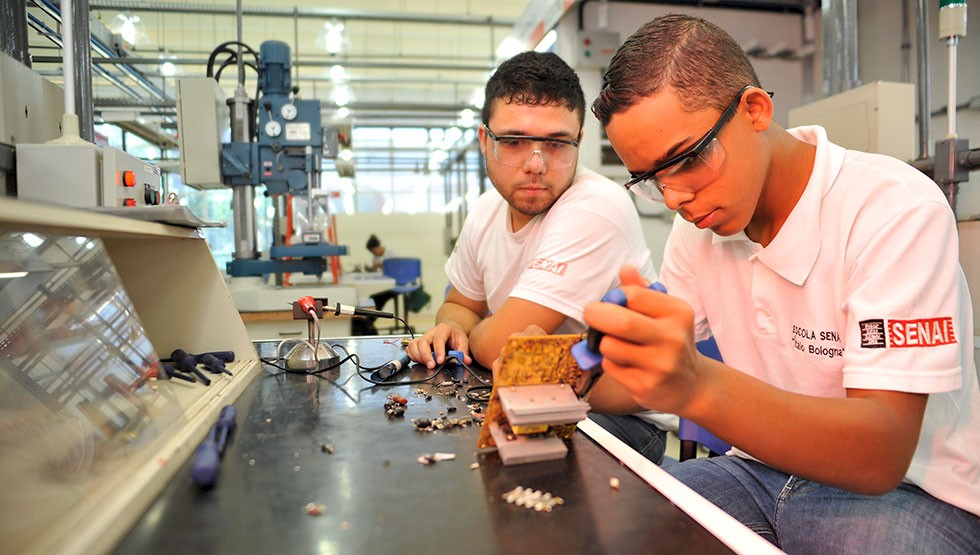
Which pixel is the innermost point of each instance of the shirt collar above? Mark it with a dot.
(793, 252)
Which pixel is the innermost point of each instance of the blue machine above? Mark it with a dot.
(284, 154)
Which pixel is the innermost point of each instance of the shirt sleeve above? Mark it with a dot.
(461, 267)
(576, 261)
(904, 301)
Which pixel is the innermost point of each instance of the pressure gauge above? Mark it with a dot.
(288, 112)
(273, 128)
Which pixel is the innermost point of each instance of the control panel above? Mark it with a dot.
(86, 176)
(128, 181)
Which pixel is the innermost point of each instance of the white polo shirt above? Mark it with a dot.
(562, 259)
(861, 288)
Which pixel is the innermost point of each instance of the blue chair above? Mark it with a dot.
(690, 433)
(407, 273)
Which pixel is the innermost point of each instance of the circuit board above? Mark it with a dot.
(531, 360)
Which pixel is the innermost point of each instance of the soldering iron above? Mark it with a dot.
(586, 352)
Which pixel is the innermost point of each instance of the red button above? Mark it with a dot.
(129, 178)
(129, 202)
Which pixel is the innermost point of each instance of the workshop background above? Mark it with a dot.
(403, 82)
(380, 138)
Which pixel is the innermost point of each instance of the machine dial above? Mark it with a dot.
(288, 112)
(273, 128)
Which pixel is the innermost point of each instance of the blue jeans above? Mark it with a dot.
(645, 438)
(800, 516)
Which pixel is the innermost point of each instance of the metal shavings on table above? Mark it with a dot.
(430, 458)
(532, 499)
(395, 405)
(315, 509)
(443, 423)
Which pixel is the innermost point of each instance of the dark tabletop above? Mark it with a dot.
(378, 498)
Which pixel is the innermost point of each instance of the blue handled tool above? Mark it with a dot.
(186, 363)
(167, 371)
(223, 356)
(586, 352)
(450, 355)
(204, 469)
(226, 425)
(213, 364)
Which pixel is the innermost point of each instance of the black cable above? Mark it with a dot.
(364, 372)
(408, 328)
(361, 371)
(316, 372)
(233, 58)
(472, 373)
(479, 393)
(272, 363)
(230, 61)
(223, 48)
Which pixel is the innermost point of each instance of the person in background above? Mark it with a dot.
(831, 281)
(379, 252)
(381, 298)
(547, 238)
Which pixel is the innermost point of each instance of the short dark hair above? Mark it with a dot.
(373, 242)
(696, 59)
(535, 78)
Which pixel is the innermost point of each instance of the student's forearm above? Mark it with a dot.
(609, 397)
(458, 315)
(862, 443)
(487, 338)
(490, 335)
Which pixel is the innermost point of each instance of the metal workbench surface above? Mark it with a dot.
(379, 499)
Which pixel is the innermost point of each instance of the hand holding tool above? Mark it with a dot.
(586, 352)
(452, 354)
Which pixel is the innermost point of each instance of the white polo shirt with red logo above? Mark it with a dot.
(861, 288)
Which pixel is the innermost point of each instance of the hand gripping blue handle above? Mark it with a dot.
(450, 355)
(586, 352)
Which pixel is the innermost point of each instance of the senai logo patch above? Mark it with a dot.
(548, 266)
(923, 332)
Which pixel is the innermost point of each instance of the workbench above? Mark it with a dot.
(301, 439)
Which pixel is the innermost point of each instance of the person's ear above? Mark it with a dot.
(481, 135)
(759, 108)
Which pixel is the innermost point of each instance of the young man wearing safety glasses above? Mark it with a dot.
(548, 238)
(831, 282)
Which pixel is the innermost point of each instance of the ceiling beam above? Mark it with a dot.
(306, 13)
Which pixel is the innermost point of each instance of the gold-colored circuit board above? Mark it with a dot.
(532, 360)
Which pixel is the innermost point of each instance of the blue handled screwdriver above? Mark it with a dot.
(213, 364)
(586, 352)
(204, 469)
(186, 363)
